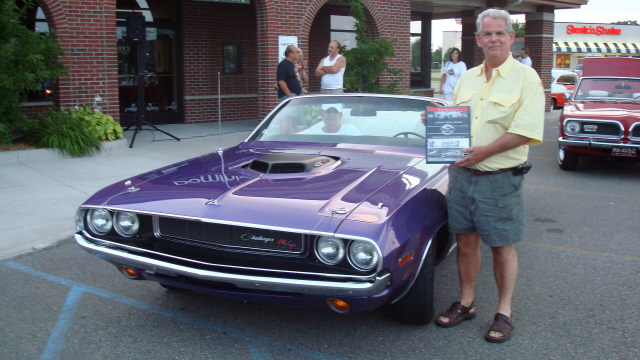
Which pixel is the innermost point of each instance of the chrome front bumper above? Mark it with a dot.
(308, 287)
(590, 144)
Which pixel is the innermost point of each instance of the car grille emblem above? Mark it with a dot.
(590, 128)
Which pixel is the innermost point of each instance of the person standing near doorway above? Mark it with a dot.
(288, 84)
(451, 72)
(331, 69)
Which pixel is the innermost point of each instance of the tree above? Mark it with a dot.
(519, 28)
(436, 55)
(415, 54)
(27, 59)
(626, 22)
(366, 62)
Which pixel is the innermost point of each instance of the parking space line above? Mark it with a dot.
(583, 252)
(258, 342)
(584, 192)
(60, 330)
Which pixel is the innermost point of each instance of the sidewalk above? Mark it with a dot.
(41, 190)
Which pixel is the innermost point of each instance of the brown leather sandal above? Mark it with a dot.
(502, 324)
(456, 314)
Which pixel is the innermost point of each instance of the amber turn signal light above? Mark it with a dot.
(128, 272)
(339, 305)
(405, 259)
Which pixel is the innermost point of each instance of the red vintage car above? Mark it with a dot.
(603, 116)
(562, 86)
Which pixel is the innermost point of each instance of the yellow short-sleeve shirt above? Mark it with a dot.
(512, 101)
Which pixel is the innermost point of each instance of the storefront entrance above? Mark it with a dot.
(159, 65)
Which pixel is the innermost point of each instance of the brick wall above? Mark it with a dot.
(87, 29)
(206, 28)
(539, 40)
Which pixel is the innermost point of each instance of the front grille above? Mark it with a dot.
(602, 128)
(259, 166)
(232, 236)
(635, 132)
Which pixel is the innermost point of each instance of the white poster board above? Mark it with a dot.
(283, 42)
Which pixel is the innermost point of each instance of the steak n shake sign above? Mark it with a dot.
(598, 30)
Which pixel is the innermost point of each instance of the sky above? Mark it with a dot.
(596, 11)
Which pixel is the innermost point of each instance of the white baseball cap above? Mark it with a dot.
(337, 106)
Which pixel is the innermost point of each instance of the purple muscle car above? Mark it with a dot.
(328, 203)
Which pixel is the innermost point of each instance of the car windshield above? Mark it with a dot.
(608, 89)
(357, 119)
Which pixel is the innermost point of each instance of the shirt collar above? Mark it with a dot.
(503, 70)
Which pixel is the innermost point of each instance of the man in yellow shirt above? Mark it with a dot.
(485, 197)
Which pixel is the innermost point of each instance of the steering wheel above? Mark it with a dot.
(407, 133)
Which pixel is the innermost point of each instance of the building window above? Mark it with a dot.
(563, 61)
(343, 30)
(37, 21)
(231, 60)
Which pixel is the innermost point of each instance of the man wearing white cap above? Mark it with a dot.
(331, 117)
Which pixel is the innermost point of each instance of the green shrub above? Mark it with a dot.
(63, 132)
(102, 126)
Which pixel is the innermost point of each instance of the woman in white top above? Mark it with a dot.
(451, 72)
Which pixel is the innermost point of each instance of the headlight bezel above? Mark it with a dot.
(373, 248)
(570, 123)
(330, 239)
(118, 227)
(91, 215)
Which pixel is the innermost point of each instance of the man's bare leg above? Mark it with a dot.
(469, 260)
(505, 271)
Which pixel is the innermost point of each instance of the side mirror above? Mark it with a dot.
(567, 96)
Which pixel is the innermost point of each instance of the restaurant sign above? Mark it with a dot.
(598, 30)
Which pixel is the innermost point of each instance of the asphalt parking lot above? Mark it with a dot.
(577, 294)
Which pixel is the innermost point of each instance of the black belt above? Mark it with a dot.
(479, 172)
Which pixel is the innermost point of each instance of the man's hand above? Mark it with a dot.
(475, 154)
(423, 118)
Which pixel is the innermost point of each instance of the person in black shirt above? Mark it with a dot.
(288, 84)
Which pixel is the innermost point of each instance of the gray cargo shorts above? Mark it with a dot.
(492, 205)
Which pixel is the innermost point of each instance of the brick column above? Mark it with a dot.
(472, 54)
(539, 40)
(89, 42)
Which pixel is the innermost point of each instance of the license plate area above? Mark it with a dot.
(624, 151)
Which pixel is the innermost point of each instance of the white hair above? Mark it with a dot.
(496, 14)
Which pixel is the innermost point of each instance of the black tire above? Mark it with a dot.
(553, 104)
(567, 160)
(416, 306)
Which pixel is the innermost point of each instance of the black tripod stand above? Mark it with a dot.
(138, 120)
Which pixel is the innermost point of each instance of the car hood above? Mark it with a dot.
(221, 187)
(605, 110)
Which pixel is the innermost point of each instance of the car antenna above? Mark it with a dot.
(224, 176)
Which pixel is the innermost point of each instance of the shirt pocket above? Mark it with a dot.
(501, 109)
(463, 97)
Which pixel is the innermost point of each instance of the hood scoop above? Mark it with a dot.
(285, 163)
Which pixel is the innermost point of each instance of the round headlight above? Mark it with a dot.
(100, 221)
(330, 250)
(572, 127)
(363, 255)
(80, 219)
(126, 223)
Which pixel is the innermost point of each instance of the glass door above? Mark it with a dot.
(158, 78)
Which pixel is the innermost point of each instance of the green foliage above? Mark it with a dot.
(437, 55)
(626, 22)
(366, 62)
(415, 54)
(100, 125)
(61, 131)
(519, 28)
(27, 59)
